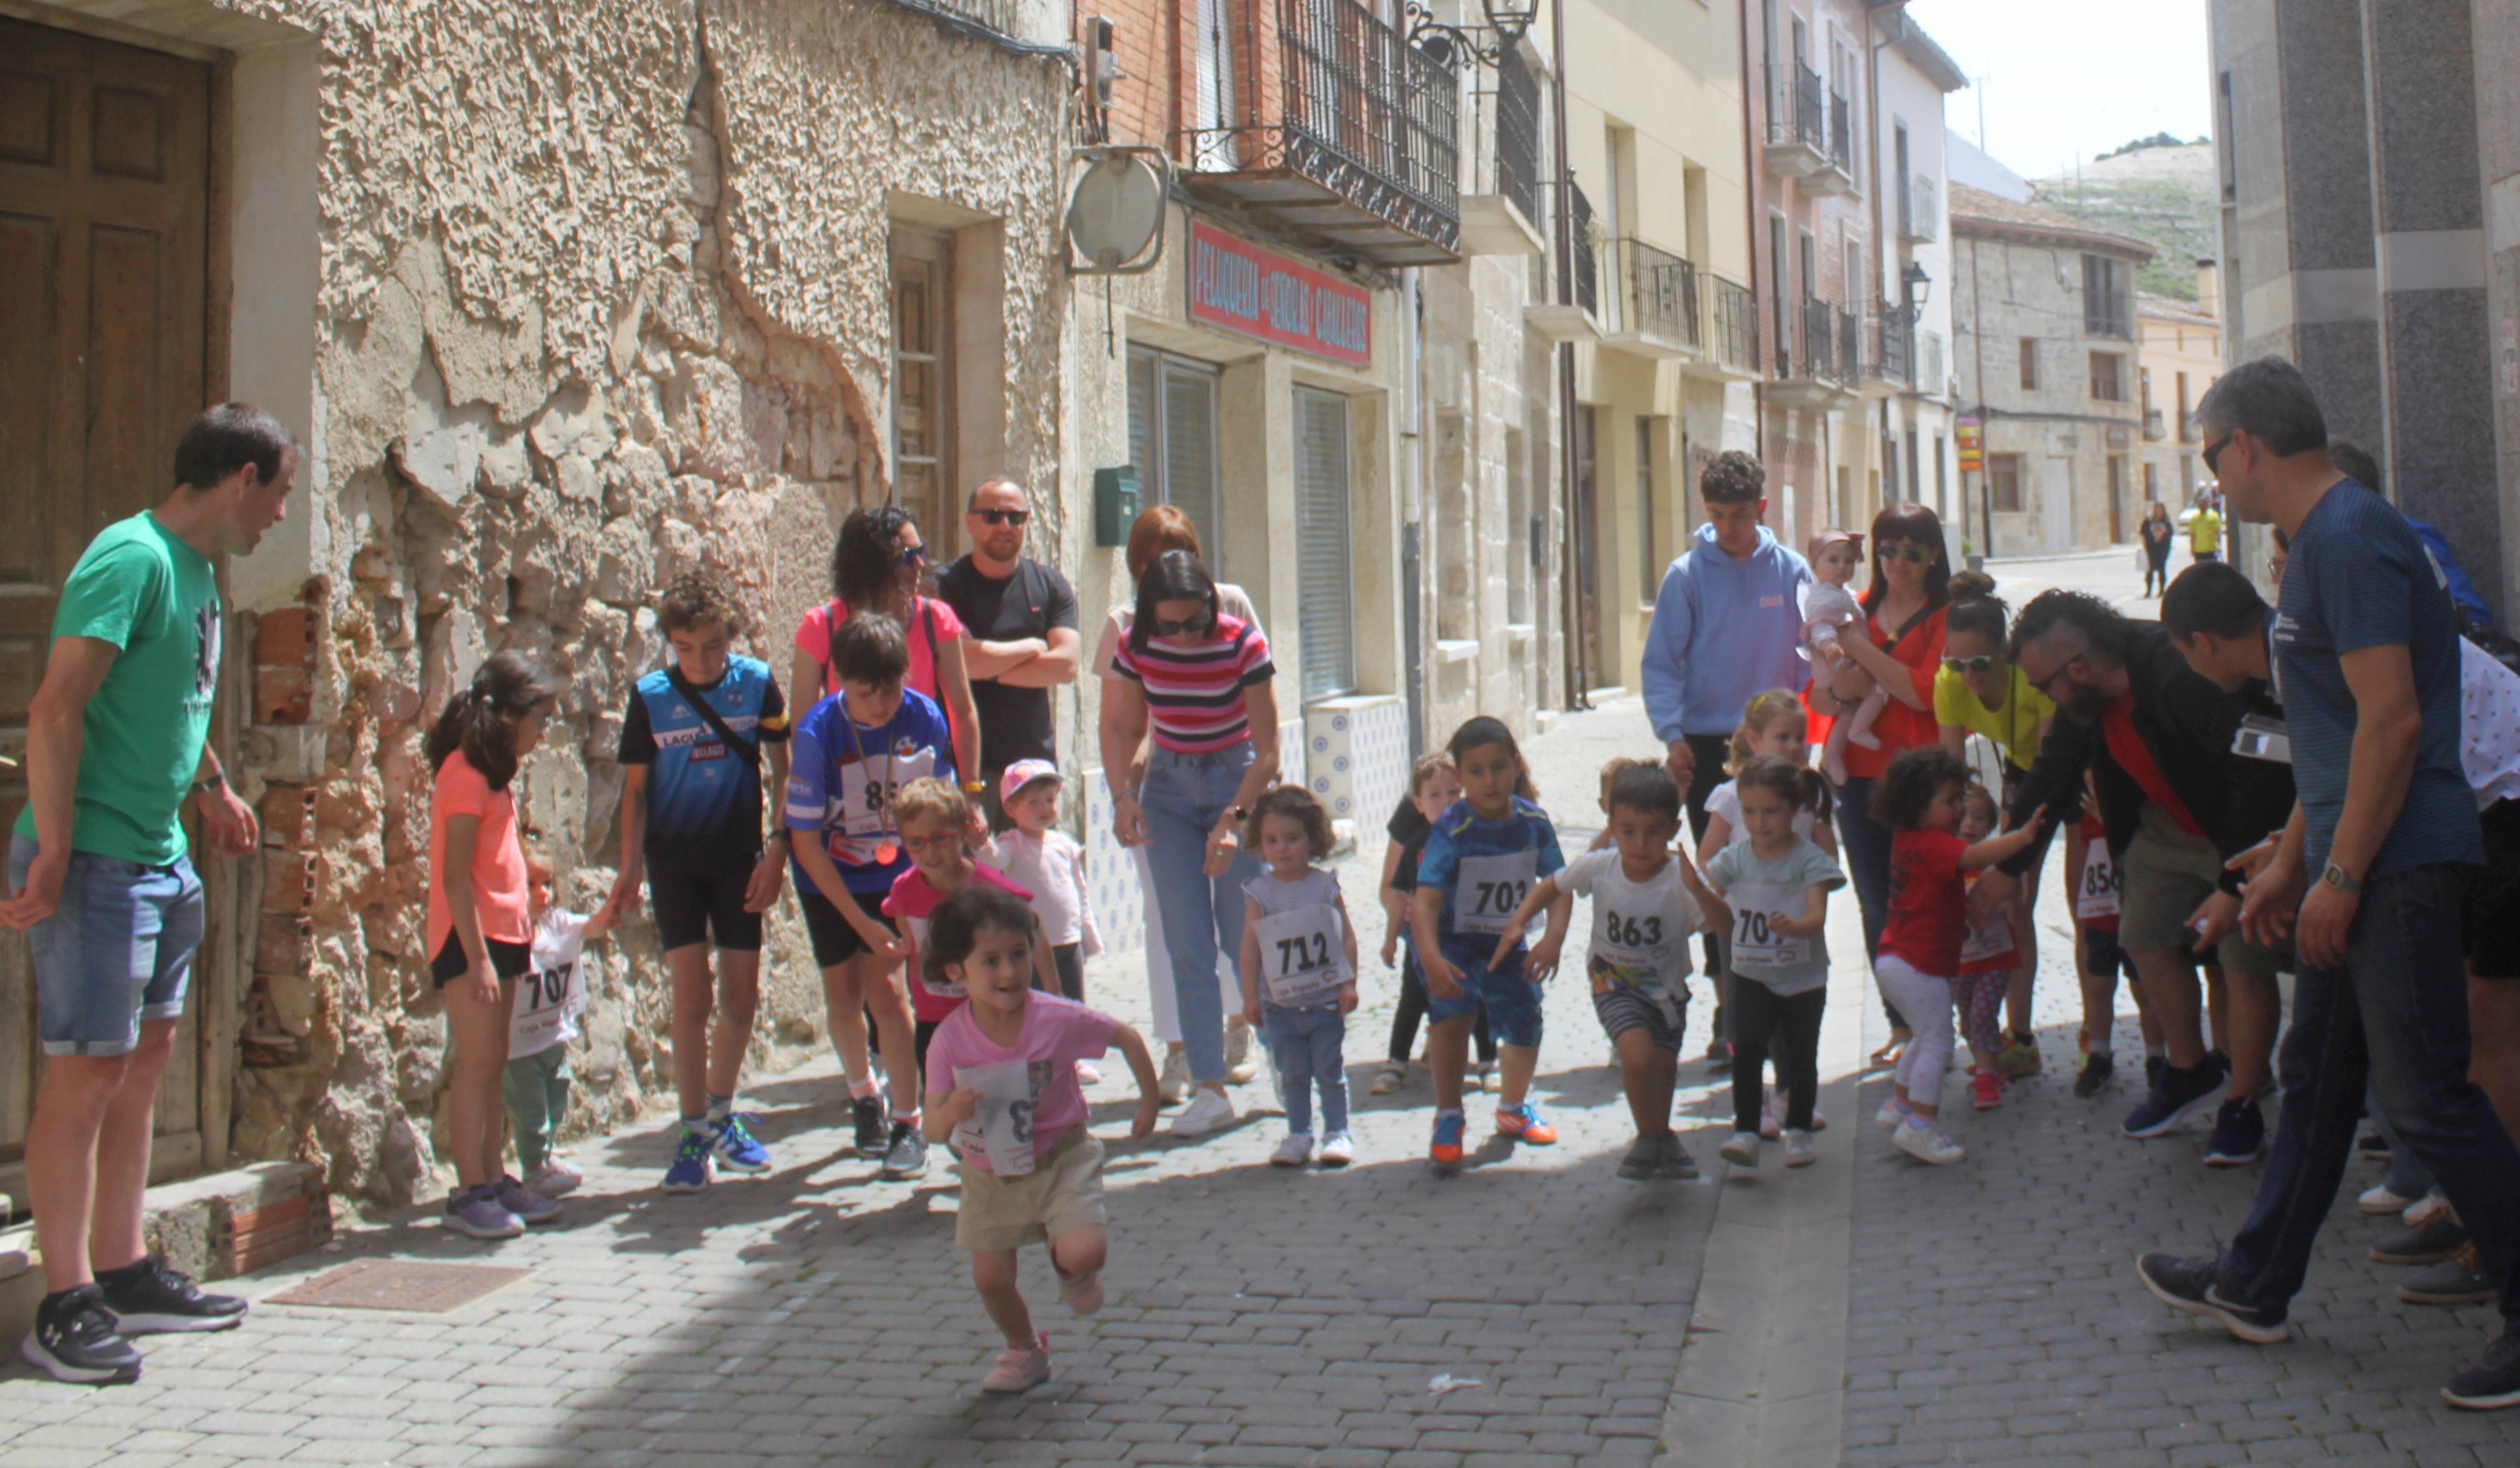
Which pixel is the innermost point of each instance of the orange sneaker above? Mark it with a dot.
(1989, 1088)
(1523, 1124)
(1445, 1152)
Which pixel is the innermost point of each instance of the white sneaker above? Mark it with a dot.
(1240, 1068)
(1743, 1151)
(1927, 1144)
(1295, 1151)
(1339, 1151)
(1389, 1079)
(556, 1178)
(1174, 1082)
(2377, 1199)
(1798, 1150)
(1207, 1111)
(2426, 1209)
(1088, 1073)
(1889, 1116)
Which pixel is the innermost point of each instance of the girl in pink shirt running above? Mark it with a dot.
(1001, 1085)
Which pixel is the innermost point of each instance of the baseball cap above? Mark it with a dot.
(1023, 773)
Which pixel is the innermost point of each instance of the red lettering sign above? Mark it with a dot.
(1239, 286)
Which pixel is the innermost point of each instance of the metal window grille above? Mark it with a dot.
(1323, 534)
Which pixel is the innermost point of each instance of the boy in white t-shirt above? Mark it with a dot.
(551, 998)
(1648, 899)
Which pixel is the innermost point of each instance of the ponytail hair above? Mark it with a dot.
(480, 720)
(1801, 786)
(1763, 710)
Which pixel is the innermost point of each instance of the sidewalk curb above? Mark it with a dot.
(1762, 1377)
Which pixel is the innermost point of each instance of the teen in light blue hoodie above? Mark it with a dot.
(1726, 627)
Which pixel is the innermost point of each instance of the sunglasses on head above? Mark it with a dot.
(1979, 664)
(913, 555)
(1907, 551)
(1003, 517)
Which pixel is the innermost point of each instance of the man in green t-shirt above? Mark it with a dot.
(99, 880)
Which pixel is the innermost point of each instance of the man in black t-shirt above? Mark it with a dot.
(1022, 620)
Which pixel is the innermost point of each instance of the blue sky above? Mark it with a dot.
(2064, 78)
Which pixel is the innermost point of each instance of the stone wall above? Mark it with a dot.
(603, 298)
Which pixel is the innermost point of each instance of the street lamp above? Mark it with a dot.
(1507, 24)
(1916, 284)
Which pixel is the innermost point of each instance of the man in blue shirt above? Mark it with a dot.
(1727, 626)
(2368, 877)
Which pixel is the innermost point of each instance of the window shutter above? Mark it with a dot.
(1190, 455)
(1323, 537)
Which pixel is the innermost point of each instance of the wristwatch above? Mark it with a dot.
(219, 780)
(2337, 877)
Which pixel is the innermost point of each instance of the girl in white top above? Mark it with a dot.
(1299, 970)
(1046, 861)
(1775, 725)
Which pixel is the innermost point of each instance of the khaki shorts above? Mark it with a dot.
(2169, 875)
(1063, 1193)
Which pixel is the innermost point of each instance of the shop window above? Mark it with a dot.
(2004, 482)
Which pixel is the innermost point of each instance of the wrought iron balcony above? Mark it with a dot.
(1588, 271)
(1919, 211)
(1825, 352)
(1660, 314)
(1890, 367)
(1797, 121)
(1733, 311)
(1842, 133)
(1350, 141)
(1503, 214)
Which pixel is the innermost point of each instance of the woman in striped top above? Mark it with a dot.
(1199, 681)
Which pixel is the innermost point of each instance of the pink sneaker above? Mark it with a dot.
(1989, 1088)
(1081, 1293)
(1019, 1368)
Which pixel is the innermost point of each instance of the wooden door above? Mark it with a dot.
(104, 210)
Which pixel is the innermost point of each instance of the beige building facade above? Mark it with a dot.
(2180, 352)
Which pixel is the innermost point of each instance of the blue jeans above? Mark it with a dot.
(1184, 797)
(2395, 1014)
(1867, 843)
(1308, 1046)
(118, 950)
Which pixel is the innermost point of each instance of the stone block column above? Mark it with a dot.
(2428, 218)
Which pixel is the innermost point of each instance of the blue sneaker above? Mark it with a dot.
(2239, 1135)
(2178, 1094)
(1447, 1149)
(737, 1147)
(690, 1173)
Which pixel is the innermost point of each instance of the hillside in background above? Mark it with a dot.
(2162, 195)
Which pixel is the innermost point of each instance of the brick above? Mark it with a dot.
(284, 638)
(282, 695)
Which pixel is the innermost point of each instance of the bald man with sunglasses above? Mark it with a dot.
(1022, 615)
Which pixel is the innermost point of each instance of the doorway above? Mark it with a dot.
(105, 164)
(1588, 560)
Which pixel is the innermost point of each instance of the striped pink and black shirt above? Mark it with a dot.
(1194, 692)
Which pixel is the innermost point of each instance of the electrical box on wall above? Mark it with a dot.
(1115, 505)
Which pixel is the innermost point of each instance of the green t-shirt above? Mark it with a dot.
(156, 598)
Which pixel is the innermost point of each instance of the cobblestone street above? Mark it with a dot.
(1868, 1310)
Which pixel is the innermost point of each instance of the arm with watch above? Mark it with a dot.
(228, 823)
(2387, 722)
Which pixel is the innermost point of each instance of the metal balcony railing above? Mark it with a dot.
(1801, 114)
(1841, 132)
(1919, 210)
(1657, 294)
(1850, 346)
(1733, 310)
(1587, 273)
(1894, 348)
(1334, 95)
(1517, 136)
(2155, 429)
(1819, 342)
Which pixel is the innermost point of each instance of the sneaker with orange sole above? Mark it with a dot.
(1523, 1123)
(1446, 1150)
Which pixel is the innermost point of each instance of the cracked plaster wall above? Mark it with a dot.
(603, 297)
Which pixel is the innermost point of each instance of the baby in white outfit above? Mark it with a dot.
(1830, 614)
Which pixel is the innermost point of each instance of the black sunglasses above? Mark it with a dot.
(913, 555)
(2213, 450)
(1199, 626)
(1003, 517)
(1905, 550)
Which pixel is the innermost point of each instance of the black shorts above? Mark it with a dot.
(836, 943)
(694, 903)
(2102, 958)
(507, 960)
(2487, 933)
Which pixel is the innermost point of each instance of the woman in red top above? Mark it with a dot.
(877, 562)
(1902, 651)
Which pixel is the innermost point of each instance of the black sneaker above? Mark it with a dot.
(2456, 1281)
(2094, 1078)
(2239, 1135)
(905, 1153)
(866, 1114)
(74, 1340)
(2494, 1382)
(2153, 1066)
(148, 1297)
(2187, 1284)
(2178, 1094)
(2441, 1237)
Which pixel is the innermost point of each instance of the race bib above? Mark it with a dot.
(1632, 940)
(1756, 944)
(1490, 888)
(2098, 892)
(1992, 942)
(552, 995)
(1001, 1128)
(867, 790)
(1301, 955)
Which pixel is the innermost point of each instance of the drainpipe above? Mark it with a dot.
(1759, 309)
(1569, 598)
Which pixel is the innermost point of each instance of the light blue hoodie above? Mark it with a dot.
(1724, 631)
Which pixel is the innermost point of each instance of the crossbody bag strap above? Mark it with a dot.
(745, 749)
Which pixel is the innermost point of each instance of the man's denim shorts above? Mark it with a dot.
(118, 950)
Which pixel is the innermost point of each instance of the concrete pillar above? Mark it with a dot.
(2496, 38)
(2427, 209)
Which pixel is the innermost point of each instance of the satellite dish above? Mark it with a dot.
(1115, 212)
